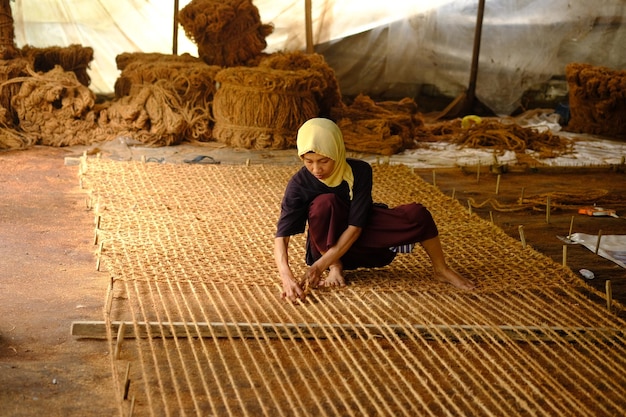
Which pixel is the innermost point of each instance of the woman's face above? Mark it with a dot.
(320, 166)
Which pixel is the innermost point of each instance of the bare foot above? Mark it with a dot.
(450, 276)
(335, 277)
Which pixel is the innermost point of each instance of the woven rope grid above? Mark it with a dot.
(188, 246)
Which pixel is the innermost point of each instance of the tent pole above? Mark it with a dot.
(471, 89)
(308, 23)
(466, 101)
(175, 32)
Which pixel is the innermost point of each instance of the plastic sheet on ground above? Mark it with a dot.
(612, 247)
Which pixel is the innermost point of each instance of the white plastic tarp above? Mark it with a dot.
(612, 247)
(392, 48)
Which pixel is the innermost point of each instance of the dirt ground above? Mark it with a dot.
(48, 276)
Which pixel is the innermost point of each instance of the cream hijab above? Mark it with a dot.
(323, 137)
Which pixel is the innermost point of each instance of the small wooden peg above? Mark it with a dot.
(548, 210)
(598, 242)
(564, 255)
(99, 254)
(127, 381)
(521, 235)
(120, 339)
(609, 294)
(498, 185)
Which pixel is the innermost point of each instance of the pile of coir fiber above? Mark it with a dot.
(497, 134)
(329, 98)
(228, 33)
(597, 100)
(383, 128)
(152, 114)
(188, 83)
(262, 108)
(54, 108)
(126, 58)
(74, 58)
(10, 137)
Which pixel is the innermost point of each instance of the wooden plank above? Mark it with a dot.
(97, 330)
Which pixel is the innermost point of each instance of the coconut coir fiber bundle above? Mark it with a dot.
(496, 135)
(227, 32)
(11, 72)
(262, 108)
(152, 114)
(126, 58)
(597, 100)
(193, 82)
(55, 109)
(75, 58)
(383, 128)
(330, 97)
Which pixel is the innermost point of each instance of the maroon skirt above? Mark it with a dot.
(386, 228)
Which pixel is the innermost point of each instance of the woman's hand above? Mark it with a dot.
(311, 277)
(292, 291)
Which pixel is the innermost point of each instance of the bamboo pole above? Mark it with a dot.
(97, 330)
(175, 31)
(308, 24)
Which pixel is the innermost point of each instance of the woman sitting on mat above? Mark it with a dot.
(346, 229)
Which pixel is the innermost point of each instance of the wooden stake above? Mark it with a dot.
(434, 178)
(521, 235)
(491, 216)
(571, 226)
(564, 255)
(99, 253)
(478, 172)
(95, 234)
(453, 192)
(598, 242)
(469, 204)
(132, 407)
(609, 294)
(498, 184)
(120, 339)
(521, 199)
(109, 298)
(548, 210)
(127, 381)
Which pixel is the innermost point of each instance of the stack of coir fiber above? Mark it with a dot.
(262, 107)
(597, 100)
(55, 109)
(163, 99)
(382, 128)
(74, 58)
(227, 32)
